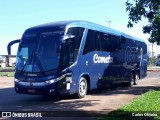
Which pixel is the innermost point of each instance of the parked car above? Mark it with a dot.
(158, 63)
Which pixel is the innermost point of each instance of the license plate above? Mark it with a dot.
(31, 91)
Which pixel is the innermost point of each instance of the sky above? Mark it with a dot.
(17, 15)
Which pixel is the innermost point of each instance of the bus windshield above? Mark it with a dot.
(39, 53)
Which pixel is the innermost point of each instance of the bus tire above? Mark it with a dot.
(82, 88)
(132, 80)
(136, 81)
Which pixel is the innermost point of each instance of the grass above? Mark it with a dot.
(8, 74)
(146, 103)
(7, 71)
(7, 68)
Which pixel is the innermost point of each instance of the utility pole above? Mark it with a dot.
(109, 23)
(152, 54)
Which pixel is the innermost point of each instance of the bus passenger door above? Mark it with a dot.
(67, 52)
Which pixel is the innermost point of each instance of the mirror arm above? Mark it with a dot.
(10, 44)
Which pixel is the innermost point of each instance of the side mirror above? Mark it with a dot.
(10, 44)
(66, 38)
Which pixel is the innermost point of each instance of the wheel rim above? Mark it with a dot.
(82, 88)
(132, 80)
(136, 79)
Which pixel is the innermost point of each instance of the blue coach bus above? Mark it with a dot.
(72, 57)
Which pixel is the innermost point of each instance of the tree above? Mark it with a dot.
(1, 61)
(149, 9)
(151, 60)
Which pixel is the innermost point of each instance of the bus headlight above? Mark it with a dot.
(16, 80)
(50, 81)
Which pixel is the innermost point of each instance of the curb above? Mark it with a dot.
(153, 70)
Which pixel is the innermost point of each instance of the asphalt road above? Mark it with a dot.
(96, 103)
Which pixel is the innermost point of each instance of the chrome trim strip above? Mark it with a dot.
(33, 83)
(41, 83)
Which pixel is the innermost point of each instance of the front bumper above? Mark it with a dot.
(54, 86)
(35, 89)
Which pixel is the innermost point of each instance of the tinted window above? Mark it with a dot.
(116, 43)
(106, 42)
(145, 48)
(92, 42)
(78, 33)
(47, 50)
(67, 55)
(100, 41)
(25, 50)
(39, 54)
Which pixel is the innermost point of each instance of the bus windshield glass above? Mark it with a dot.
(39, 53)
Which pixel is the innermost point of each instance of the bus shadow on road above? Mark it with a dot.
(122, 89)
(12, 101)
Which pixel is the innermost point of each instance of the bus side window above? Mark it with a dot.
(105, 42)
(92, 42)
(88, 43)
(116, 45)
(97, 42)
(78, 33)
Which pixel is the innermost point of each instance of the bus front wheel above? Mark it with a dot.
(82, 88)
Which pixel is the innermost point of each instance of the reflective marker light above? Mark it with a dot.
(69, 79)
(16, 80)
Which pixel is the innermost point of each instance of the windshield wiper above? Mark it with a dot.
(28, 60)
(39, 65)
(38, 61)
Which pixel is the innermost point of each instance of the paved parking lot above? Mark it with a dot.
(103, 100)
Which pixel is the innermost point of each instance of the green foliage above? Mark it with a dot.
(7, 74)
(149, 9)
(146, 103)
(151, 60)
(7, 69)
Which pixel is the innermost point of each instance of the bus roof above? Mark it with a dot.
(86, 24)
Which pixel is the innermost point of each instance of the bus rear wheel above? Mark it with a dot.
(136, 79)
(82, 88)
(132, 80)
